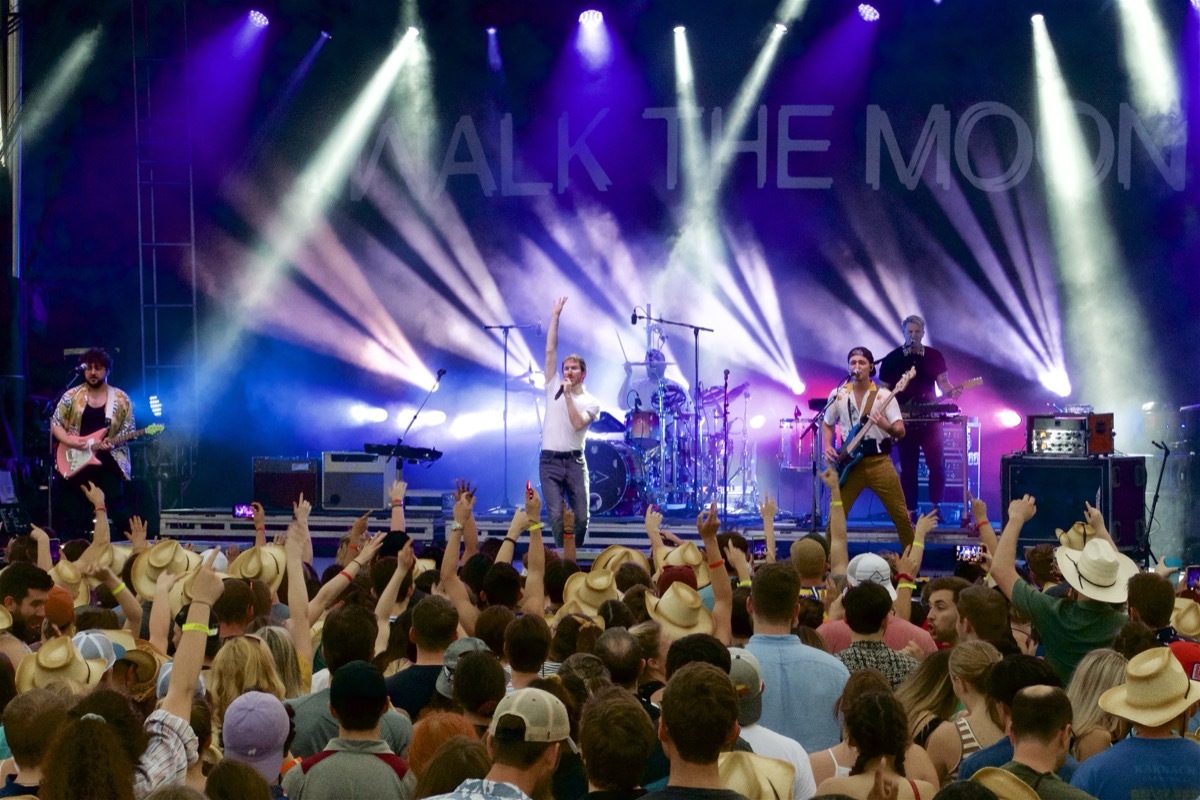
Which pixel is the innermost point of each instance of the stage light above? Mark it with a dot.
(259, 19)
(757, 421)
(364, 414)
(491, 31)
(413, 31)
(155, 405)
(1196, 4)
(53, 94)
(1148, 59)
(325, 35)
(1038, 19)
(495, 63)
(779, 26)
(1008, 418)
(868, 12)
(591, 18)
(593, 41)
(680, 29)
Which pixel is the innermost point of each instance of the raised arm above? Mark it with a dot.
(653, 525)
(768, 509)
(136, 535)
(464, 515)
(42, 539)
(708, 523)
(534, 601)
(506, 554)
(987, 534)
(260, 524)
(330, 591)
(301, 509)
(451, 586)
(122, 593)
(396, 493)
(294, 547)
(95, 495)
(909, 566)
(160, 610)
(1093, 517)
(189, 656)
(551, 367)
(387, 598)
(568, 533)
(1004, 562)
(839, 551)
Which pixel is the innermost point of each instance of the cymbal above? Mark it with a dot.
(522, 384)
(648, 363)
(713, 394)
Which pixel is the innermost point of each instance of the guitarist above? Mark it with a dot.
(931, 372)
(92, 407)
(849, 404)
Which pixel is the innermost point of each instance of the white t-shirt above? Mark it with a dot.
(766, 742)
(558, 434)
(845, 412)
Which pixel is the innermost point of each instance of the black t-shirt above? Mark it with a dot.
(411, 688)
(921, 388)
(93, 420)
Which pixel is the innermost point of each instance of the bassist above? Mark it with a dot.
(92, 407)
(854, 402)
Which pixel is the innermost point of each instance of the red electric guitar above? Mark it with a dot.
(70, 460)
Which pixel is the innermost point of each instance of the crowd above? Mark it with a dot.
(145, 670)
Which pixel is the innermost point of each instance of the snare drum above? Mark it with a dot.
(615, 477)
(641, 428)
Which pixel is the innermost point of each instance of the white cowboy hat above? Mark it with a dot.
(573, 607)
(756, 776)
(591, 589)
(67, 575)
(1186, 617)
(685, 555)
(165, 556)
(680, 611)
(615, 555)
(1156, 689)
(1098, 571)
(1005, 784)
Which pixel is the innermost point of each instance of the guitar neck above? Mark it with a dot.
(125, 437)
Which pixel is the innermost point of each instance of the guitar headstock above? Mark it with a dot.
(155, 429)
(904, 379)
(971, 383)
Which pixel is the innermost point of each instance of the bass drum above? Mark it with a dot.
(615, 478)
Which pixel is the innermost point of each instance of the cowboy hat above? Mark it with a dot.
(57, 660)
(1156, 689)
(687, 555)
(1005, 784)
(1076, 536)
(181, 592)
(756, 776)
(67, 575)
(138, 669)
(1186, 617)
(166, 556)
(1097, 572)
(573, 607)
(6, 619)
(591, 589)
(265, 563)
(615, 555)
(680, 611)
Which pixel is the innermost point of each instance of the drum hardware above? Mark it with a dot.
(616, 478)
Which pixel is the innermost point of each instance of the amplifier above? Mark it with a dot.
(1062, 485)
(279, 482)
(1048, 435)
(356, 481)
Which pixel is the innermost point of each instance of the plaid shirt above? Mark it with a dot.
(173, 745)
(877, 655)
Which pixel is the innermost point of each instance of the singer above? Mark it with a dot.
(92, 407)
(850, 403)
(569, 411)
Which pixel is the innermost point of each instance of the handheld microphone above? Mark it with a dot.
(633, 317)
(81, 368)
(558, 394)
(440, 373)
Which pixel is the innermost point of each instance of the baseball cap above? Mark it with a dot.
(164, 682)
(95, 646)
(255, 729)
(870, 567)
(357, 680)
(467, 644)
(746, 674)
(676, 572)
(60, 607)
(544, 715)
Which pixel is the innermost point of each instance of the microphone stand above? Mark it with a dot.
(47, 413)
(696, 329)
(1144, 552)
(725, 449)
(504, 329)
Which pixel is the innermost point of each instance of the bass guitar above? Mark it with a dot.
(70, 460)
(850, 453)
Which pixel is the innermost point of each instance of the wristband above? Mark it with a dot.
(456, 526)
(718, 563)
(918, 545)
(199, 627)
(120, 587)
(835, 503)
(744, 582)
(353, 547)
(349, 577)
(510, 540)
(100, 508)
(912, 587)
(568, 535)
(537, 526)
(397, 502)
(902, 577)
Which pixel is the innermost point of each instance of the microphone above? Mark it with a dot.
(80, 368)
(633, 317)
(558, 394)
(440, 373)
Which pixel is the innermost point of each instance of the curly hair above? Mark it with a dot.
(87, 761)
(121, 717)
(878, 727)
(242, 664)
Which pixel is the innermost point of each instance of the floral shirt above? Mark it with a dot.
(482, 789)
(119, 412)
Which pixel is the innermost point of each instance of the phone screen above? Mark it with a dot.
(55, 549)
(1193, 576)
(966, 552)
(243, 511)
(758, 549)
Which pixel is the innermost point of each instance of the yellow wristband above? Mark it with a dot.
(835, 503)
(912, 587)
(120, 587)
(537, 526)
(200, 628)
(918, 544)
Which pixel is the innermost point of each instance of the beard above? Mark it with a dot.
(23, 630)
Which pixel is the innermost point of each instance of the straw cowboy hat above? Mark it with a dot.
(167, 556)
(1006, 785)
(1097, 572)
(1186, 617)
(107, 555)
(1076, 536)
(57, 660)
(181, 592)
(67, 575)
(756, 776)
(591, 589)
(615, 555)
(6, 619)
(138, 670)
(265, 563)
(1156, 689)
(573, 607)
(680, 611)
(686, 554)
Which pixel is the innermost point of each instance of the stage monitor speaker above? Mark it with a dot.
(356, 481)
(1062, 485)
(279, 482)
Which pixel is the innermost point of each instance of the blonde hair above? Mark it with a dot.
(971, 662)
(1098, 671)
(241, 665)
(287, 663)
(928, 689)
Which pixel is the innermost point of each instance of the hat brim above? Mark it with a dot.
(703, 578)
(704, 622)
(613, 551)
(1116, 701)
(1006, 785)
(1067, 558)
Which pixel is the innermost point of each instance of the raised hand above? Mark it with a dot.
(533, 504)
(568, 520)
(768, 508)
(520, 520)
(978, 510)
(370, 548)
(94, 494)
(558, 306)
(38, 535)
(909, 562)
(207, 586)
(707, 522)
(830, 477)
(396, 493)
(301, 509)
(260, 514)
(925, 524)
(358, 529)
(406, 559)
(136, 533)
(1023, 509)
(737, 561)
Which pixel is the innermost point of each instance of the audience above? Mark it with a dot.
(1040, 727)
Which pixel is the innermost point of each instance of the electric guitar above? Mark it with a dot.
(71, 460)
(850, 453)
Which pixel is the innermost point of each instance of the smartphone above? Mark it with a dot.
(1193, 576)
(758, 549)
(55, 549)
(528, 487)
(243, 511)
(967, 552)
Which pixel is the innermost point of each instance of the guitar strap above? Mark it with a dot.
(866, 410)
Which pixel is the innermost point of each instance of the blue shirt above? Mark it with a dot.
(1142, 768)
(801, 684)
(483, 789)
(999, 754)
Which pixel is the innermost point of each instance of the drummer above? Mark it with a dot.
(643, 394)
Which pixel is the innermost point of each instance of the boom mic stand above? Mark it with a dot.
(508, 504)
(1145, 554)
